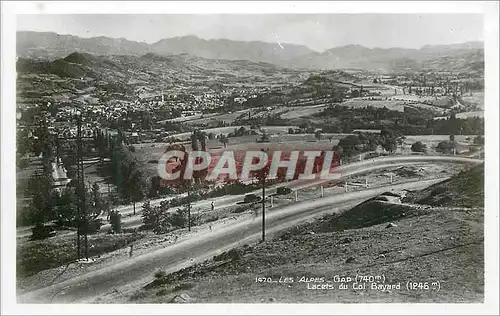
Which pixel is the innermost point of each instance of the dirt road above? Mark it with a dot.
(138, 271)
(343, 171)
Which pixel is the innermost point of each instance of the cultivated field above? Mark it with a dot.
(391, 103)
(296, 112)
(477, 99)
(284, 142)
(228, 117)
(228, 129)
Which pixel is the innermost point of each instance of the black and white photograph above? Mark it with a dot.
(179, 158)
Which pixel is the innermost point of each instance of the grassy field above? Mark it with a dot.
(477, 99)
(392, 104)
(228, 117)
(287, 142)
(437, 138)
(283, 142)
(470, 114)
(35, 256)
(296, 112)
(228, 129)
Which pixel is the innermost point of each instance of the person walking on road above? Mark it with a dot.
(213, 205)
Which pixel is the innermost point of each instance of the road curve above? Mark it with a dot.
(140, 270)
(351, 169)
(343, 172)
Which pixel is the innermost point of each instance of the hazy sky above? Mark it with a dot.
(319, 32)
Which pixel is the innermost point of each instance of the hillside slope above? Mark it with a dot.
(464, 190)
(126, 77)
(441, 249)
(52, 45)
(457, 57)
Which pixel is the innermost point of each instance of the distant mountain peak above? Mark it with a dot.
(465, 45)
(51, 45)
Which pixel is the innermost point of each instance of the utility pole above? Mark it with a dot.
(263, 209)
(82, 188)
(57, 151)
(263, 182)
(189, 207)
(78, 176)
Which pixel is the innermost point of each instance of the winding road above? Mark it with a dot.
(135, 272)
(360, 167)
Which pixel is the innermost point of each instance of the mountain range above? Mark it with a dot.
(51, 45)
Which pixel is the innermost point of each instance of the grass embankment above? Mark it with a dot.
(33, 257)
(463, 190)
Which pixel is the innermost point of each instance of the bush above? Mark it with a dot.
(235, 188)
(183, 287)
(157, 219)
(479, 140)
(418, 147)
(178, 219)
(94, 225)
(160, 274)
(212, 219)
(283, 191)
(22, 163)
(251, 198)
(115, 220)
(42, 232)
(240, 209)
(438, 190)
(233, 255)
(445, 146)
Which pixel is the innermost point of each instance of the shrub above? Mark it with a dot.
(445, 146)
(22, 162)
(178, 219)
(240, 209)
(160, 274)
(115, 220)
(212, 219)
(183, 287)
(438, 190)
(479, 140)
(251, 198)
(283, 191)
(418, 147)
